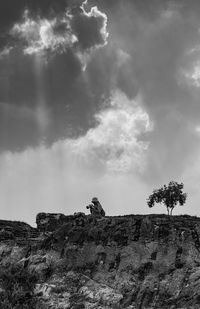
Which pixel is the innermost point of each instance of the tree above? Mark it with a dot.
(169, 195)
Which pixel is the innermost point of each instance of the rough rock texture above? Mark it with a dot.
(115, 262)
(16, 230)
(47, 222)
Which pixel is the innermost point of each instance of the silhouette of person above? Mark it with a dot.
(96, 209)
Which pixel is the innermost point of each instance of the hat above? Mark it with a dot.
(94, 199)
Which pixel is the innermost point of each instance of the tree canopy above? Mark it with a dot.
(169, 195)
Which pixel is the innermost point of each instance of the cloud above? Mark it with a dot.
(157, 36)
(11, 13)
(73, 29)
(90, 28)
(191, 76)
(65, 176)
(146, 56)
(42, 35)
(42, 68)
(44, 49)
(116, 143)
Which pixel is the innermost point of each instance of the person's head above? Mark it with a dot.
(95, 200)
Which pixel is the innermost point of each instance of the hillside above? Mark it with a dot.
(134, 261)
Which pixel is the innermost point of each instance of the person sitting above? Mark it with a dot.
(96, 209)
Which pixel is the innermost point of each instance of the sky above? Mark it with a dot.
(98, 98)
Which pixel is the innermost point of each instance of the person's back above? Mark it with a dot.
(98, 208)
(101, 210)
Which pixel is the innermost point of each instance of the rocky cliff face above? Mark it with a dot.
(115, 262)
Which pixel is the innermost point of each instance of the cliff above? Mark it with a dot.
(116, 262)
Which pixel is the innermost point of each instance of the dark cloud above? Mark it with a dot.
(47, 7)
(44, 47)
(46, 25)
(58, 87)
(86, 27)
(148, 55)
(11, 11)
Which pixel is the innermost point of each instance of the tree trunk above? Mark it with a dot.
(168, 211)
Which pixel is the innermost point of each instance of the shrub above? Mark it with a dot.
(18, 289)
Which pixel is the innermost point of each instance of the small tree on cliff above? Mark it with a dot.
(169, 195)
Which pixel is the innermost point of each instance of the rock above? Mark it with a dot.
(47, 222)
(100, 292)
(12, 230)
(44, 289)
(117, 262)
